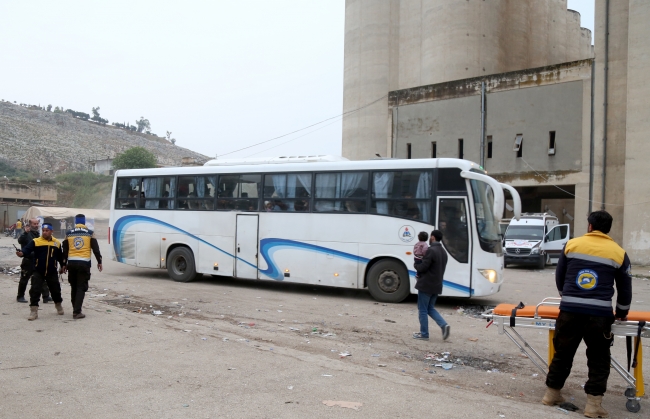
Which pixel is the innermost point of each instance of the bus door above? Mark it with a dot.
(452, 219)
(246, 246)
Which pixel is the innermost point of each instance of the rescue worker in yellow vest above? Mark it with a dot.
(78, 244)
(47, 253)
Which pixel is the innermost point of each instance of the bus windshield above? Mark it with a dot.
(486, 226)
(525, 233)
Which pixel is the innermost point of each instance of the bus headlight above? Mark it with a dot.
(489, 274)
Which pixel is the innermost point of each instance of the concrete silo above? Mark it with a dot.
(410, 43)
(516, 39)
(367, 75)
(573, 35)
(556, 29)
(538, 38)
(586, 49)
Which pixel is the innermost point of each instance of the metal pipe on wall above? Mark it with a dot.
(591, 137)
(482, 159)
(605, 80)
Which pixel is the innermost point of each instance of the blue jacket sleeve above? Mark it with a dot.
(560, 272)
(623, 288)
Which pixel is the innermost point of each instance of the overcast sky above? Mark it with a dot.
(220, 74)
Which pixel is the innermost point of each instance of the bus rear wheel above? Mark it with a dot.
(180, 265)
(388, 282)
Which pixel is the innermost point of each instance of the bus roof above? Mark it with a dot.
(343, 165)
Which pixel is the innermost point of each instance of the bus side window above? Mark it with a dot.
(127, 193)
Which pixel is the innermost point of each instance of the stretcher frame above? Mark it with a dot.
(506, 326)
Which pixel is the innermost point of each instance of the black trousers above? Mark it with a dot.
(25, 275)
(52, 281)
(78, 277)
(570, 330)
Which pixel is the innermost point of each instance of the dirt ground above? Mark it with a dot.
(254, 349)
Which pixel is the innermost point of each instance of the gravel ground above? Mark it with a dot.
(234, 348)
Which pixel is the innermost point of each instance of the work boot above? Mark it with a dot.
(78, 316)
(552, 397)
(21, 300)
(59, 309)
(33, 315)
(594, 409)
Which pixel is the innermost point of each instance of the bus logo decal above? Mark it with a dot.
(406, 234)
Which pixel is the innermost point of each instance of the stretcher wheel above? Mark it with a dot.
(630, 392)
(633, 406)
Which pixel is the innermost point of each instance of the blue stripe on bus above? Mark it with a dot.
(267, 248)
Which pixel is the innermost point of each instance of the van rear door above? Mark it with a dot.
(554, 242)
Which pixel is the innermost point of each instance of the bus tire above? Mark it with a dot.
(180, 265)
(388, 281)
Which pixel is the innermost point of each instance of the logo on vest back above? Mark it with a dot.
(587, 279)
(78, 243)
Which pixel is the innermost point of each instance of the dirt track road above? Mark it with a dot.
(251, 349)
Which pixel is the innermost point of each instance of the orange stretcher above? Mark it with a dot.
(544, 315)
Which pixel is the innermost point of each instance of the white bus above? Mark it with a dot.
(333, 222)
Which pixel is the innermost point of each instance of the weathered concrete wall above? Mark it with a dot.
(636, 229)
(397, 44)
(13, 191)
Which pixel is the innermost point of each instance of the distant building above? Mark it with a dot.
(102, 166)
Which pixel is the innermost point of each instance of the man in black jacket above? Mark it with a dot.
(27, 265)
(429, 286)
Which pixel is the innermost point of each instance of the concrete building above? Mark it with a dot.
(102, 166)
(398, 44)
(417, 69)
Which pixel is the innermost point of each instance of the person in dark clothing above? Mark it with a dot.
(429, 285)
(588, 270)
(27, 264)
(47, 253)
(78, 244)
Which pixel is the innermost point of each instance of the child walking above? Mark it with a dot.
(420, 248)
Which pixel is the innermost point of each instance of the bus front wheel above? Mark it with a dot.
(388, 282)
(180, 265)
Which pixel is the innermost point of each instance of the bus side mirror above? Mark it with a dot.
(546, 239)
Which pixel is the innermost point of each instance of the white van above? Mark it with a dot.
(536, 239)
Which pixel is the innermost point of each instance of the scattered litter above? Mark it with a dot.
(473, 339)
(389, 321)
(157, 312)
(225, 339)
(279, 311)
(375, 355)
(187, 330)
(535, 375)
(344, 354)
(569, 406)
(447, 366)
(290, 387)
(501, 415)
(231, 369)
(204, 338)
(327, 375)
(566, 412)
(251, 324)
(381, 365)
(169, 317)
(186, 405)
(347, 405)
(295, 329)
(314, 329)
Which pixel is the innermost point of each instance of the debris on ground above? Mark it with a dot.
(347, 405)
(473, 310)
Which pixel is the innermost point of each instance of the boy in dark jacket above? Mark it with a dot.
(429, 286)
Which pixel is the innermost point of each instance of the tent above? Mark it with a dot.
(96, 220)
(60, 213)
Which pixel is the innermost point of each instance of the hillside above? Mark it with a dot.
(36, 140)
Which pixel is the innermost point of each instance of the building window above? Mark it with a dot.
(460, 148)
(434, 150)
(489, 147)
(408, 150)
(519, 144)
(551, 143)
